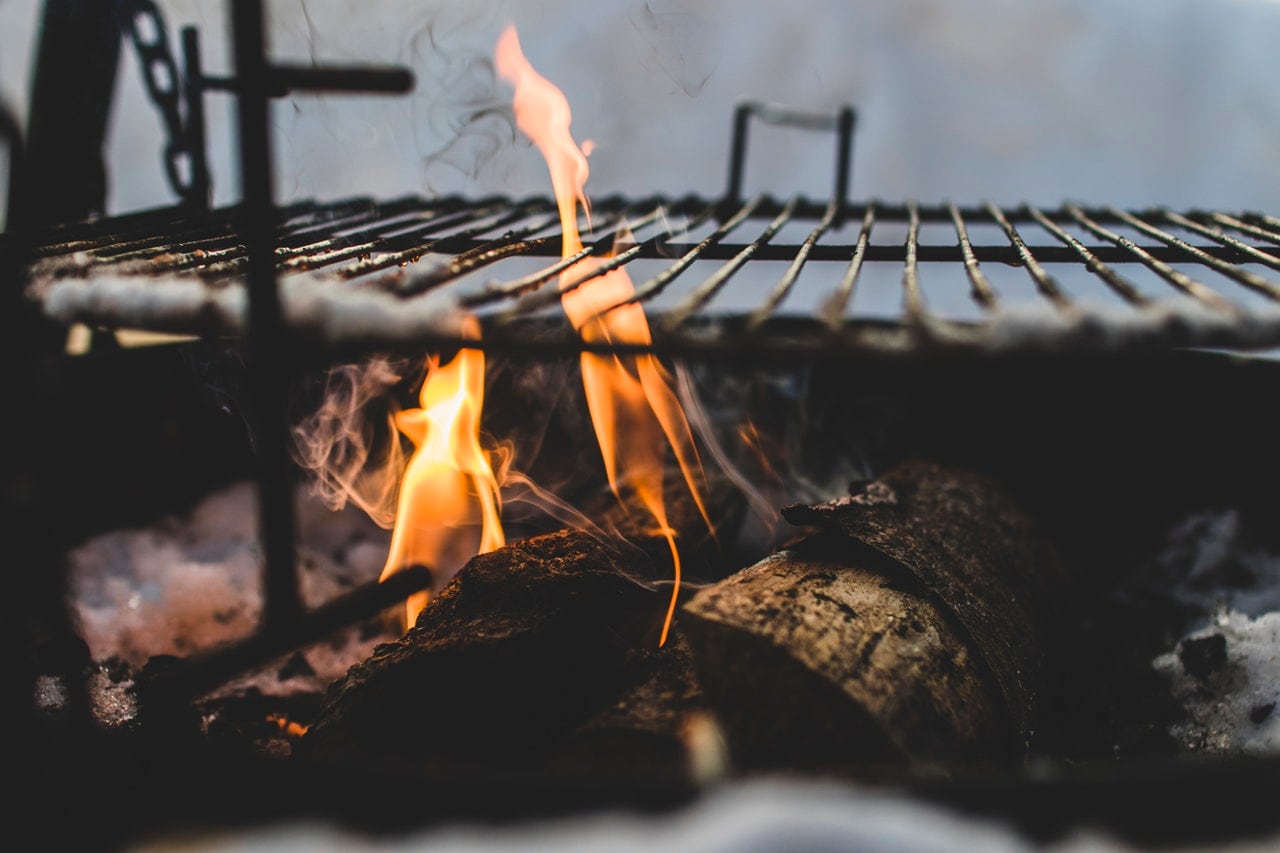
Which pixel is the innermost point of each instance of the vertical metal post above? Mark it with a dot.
(194, 129)
(738, 152)
(268, 348)
(844, 161)
(75, 75)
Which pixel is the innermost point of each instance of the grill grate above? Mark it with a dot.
(873, 277)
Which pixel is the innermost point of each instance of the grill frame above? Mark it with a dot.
(360, 253)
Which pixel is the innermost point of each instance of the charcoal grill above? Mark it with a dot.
(1030, 287)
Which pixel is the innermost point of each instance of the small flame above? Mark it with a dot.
(449, 483)
(636, 414)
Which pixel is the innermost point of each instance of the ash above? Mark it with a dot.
(1225, 670)
(188, 583)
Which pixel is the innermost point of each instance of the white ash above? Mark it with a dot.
(111, 696)
(186, 584)
(1041, 325)
(328, 309)
(1225, 672)
(1230, 709)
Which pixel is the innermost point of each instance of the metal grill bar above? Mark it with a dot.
(834, 308)
(1182, 281)
(540, 299)
(659, 282)
(1245, 277)
(788, 280)
(1117, 282)
(1045, 283)
(913, 299)
(980, 287)
(1225, 239)
(1266, 219)
(709, 288)
(1245, 227)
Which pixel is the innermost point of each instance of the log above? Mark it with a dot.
(526, 643)
(909, 627)
(530, 643)
(652, 724)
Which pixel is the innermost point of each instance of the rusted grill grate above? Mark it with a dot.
(760, 275)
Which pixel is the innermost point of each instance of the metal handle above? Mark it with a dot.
(842, 122)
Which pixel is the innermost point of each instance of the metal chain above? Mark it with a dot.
(145, 26)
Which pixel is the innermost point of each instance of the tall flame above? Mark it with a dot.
(636, 414)
(449, 483)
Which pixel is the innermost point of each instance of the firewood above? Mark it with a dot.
(911, 628)
(651, 722)
(523, 645)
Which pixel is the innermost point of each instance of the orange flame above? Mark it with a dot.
(449, 483)
(633, 407)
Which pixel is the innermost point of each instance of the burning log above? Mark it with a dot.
(653, 721)
(525, 644)
(911, 626)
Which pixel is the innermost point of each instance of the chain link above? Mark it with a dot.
(145, 26)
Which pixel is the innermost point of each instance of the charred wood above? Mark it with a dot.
(524, 645)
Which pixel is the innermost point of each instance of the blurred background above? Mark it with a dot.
(1131, 102)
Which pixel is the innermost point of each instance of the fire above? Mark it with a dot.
(449, 482)
(636, 415)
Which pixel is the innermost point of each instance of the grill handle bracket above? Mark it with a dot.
(842, 122)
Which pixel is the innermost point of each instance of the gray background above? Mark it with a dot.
(1130, 102)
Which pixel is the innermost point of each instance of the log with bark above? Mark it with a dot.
(523, 645)
(551, 636)
(910, 626)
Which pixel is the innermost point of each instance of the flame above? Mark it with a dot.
(636, 415)
(449, 482)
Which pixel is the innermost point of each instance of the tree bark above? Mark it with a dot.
(910, 627)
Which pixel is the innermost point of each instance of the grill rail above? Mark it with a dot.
(361, 274)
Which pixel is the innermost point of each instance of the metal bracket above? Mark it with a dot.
(279, 81)
(841, 121)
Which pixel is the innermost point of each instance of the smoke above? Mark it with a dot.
(675, 45)
(463, 106)
(350, 444)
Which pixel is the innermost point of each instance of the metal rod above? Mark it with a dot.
(1180, 280)
(267, 344)
(703, 293)
(659, 282)
(1045, 283)
(1225, 239)
(835, 305)
(373, 81)
(913, 298)
(207, 670)
(374, 239)
(194, 127)
(1245, 227)
(403, 249)
(788, 280)
(1266, 219)
(1118, 283)
(512, 243)
(1248, 279)
(980, 288)
(536, 301)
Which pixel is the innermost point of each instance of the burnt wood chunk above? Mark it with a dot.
(648, 723)
(525, 644)
(911, 626)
